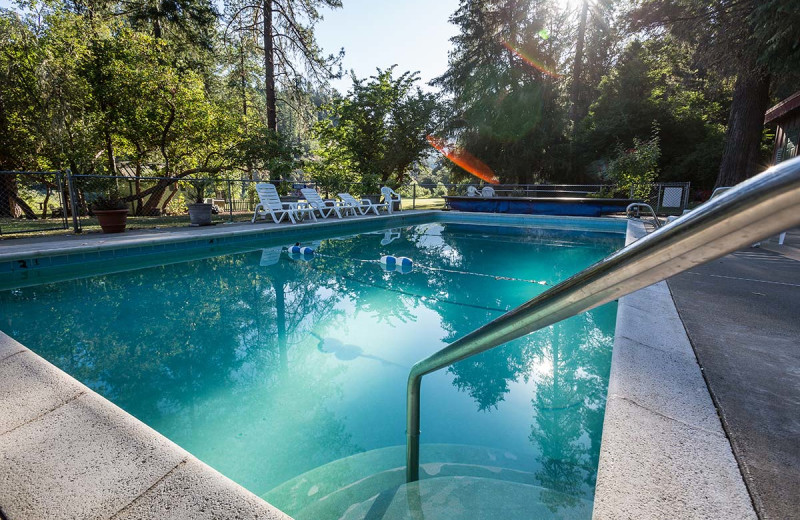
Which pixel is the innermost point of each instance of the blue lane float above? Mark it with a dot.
(297, 252)
(300, 250)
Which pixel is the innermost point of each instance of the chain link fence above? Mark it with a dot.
(33, 202)
(162, 201)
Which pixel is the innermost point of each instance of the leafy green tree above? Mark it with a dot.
(379, 129)
(657, 80)
(289, 50)
(504, 76)
(748, 40)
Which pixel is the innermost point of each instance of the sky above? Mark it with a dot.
(412, 34)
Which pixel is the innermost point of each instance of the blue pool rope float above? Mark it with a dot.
(301, 250)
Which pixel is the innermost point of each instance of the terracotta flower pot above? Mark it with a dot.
(112, 220)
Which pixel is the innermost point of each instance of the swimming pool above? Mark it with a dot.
(288, 376)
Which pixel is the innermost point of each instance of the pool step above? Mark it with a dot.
(337, 503)
(335, 489)
(311, 486)
(457, 497)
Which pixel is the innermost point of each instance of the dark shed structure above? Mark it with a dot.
(786, 117)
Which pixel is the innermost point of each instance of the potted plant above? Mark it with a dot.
(199, 211)
(111, 212)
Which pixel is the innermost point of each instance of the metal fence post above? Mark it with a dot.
(230, 202)
(658, 200)
(72, 202)
(60, 184)
(687, 186)
(414, 196)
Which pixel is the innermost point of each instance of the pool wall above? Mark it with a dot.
(71, 453)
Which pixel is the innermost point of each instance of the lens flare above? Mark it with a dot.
(530, 60)
(464, 159)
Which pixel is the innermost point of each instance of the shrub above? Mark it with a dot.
(634, 169)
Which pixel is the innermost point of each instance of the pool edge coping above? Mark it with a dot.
(663, 453)
(58, 424)
(35, 256)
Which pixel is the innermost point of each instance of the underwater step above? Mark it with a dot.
(310, 486)
(330, 490)
(446, 498)
(337, 503)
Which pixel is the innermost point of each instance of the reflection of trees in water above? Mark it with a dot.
(486, 377)
(568, 406)
(169, 343)
(570, 396)
(358, 281)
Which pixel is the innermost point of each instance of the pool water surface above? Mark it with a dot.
(266, 366)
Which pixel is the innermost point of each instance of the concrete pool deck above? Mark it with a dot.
(75, 454)
(664, 453)
(742, 313)
(66, 452)
(61, 244)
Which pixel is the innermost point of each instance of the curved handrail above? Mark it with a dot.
(637, 205)
(755, 209)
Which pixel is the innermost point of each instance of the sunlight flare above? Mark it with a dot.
(464, 159)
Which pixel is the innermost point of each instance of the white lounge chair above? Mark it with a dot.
(390, 197)
(362, 206)
(324, 207)
(487, 191)
(270, 204)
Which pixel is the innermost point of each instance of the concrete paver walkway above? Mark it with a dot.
(742, 314)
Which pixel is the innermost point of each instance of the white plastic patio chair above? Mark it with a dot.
(487, 191)
(324, 207)
(390, 197)
(472, 191)
(270, 204)
(362, 206)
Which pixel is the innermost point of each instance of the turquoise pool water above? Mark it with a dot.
(288, 376)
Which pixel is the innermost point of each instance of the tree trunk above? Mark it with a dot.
(577, 68)
(8, 187)
(244, 80)
(745, 125)
(153, 202)
(11, 205)
(269, 68)
(167, 200)
(46, 200)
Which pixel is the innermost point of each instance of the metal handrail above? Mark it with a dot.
(637, 206)
(758, 208)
